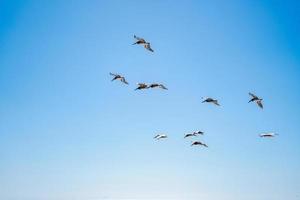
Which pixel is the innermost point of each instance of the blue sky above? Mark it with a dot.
(68, 133)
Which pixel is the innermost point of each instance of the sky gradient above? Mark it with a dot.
(68, 133)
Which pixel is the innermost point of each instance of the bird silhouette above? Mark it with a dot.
(118, 77)
(256, 99)
(198, 143)
(268, 135)
(160, 136)
(211, 100)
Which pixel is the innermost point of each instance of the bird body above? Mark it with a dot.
(141, 86)
(139, 40)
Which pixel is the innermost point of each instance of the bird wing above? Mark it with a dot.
(157, 136)
(254, 96)
(216, 102)
(138, 38)
(259, 103)
(113, 74)
(124, 81)
(148, 47)
(163, 87)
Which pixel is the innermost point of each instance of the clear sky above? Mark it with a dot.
(68, 133)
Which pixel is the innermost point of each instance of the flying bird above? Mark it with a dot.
(143, 42)
(268, 135)
(154, 85)
(198, 143)
(141, 86)
(211, 100)
(118, 77)
(160, 136)
(256, 99)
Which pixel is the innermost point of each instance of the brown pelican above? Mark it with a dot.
(268, 135)
(256, 99)
(118, 77)
(198, 143)
(211, 100)
(139, 40)
(154, 85)
(141, 86)
(160, 136)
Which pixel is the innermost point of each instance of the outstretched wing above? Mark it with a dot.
(259, 103)
(113, 74)
(139, 39)
(124, 81)
(162, 87)
(216, 102)
(253, 95)
(148, 47)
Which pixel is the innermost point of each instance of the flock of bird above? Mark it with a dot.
(142, 86)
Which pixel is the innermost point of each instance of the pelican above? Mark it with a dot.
(143, 42)
(160, 136)
(118, 77)
(211, 100)
(141, 86)
(198, 143)
(154, 85)
(256, 99)
(268, 135)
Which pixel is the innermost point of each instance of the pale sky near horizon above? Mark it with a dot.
(68, 133)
